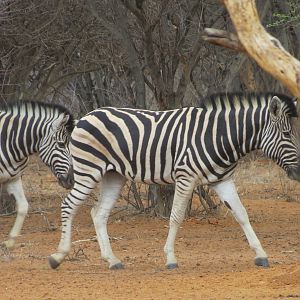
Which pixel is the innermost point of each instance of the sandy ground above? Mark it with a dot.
(214, 257)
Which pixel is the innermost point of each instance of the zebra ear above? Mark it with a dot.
(65, 119)
(275, 107)
(62, 120)
(295, 101)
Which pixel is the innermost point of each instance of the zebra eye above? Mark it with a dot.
(61, 144)
(286, 134)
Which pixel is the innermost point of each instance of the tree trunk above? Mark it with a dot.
(164, 204)
(161, 199)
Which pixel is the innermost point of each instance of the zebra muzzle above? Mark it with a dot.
(67, 181)
(294, 173)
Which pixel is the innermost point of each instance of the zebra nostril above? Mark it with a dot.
(66, 181)
(70, 180)
(293, 172)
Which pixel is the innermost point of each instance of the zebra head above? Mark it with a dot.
(54, 149)
(281, 139)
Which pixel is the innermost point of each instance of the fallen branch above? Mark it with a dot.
(92, 239)
(8, 214)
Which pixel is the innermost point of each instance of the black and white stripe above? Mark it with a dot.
(187, 146)
(33, 127)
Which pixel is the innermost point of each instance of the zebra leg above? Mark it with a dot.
(227, 192)
(111, 185)
(15, 188)
(183, 193)
(69, 207)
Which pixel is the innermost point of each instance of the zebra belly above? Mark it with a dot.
(6, 177)
(148, 180)
(10, 170)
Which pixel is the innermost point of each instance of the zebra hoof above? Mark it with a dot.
(53, 263)
(262, 262)
(117, 266)
(172, 266)
(9, 244)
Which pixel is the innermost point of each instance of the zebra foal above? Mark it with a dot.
(33, 127)
(188, 146)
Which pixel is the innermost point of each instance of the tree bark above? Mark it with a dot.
(120, 31)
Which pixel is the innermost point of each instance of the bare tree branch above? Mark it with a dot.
(223, 38)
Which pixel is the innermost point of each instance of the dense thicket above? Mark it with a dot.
(124, 52)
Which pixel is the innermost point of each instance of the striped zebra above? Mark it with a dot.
(33, 127)
(188, 146)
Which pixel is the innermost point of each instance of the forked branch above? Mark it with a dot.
(223, 38)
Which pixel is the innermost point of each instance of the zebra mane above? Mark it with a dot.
(32, 105)
(234, 98)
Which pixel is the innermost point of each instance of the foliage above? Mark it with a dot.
(289, 18)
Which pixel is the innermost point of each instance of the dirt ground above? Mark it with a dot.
(214, 258)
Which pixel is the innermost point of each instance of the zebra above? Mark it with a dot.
(188, 146)
(28, 127)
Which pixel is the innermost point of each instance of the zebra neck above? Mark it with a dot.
(239, 132)
(22, 132)
(251, 124)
